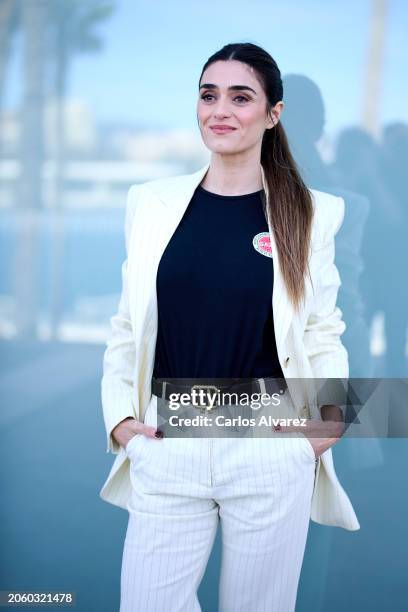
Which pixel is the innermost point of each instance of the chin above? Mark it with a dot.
(219, 148)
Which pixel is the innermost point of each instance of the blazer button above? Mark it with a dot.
(286, 363)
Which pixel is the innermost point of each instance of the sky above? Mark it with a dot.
(147, 73)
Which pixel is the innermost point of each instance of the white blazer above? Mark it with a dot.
(308, 342)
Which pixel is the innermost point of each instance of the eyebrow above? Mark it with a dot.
(232, 88)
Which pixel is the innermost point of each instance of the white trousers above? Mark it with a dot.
(260, 489)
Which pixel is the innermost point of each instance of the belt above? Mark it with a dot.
(163, 388)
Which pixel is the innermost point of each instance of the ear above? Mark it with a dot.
(277, 110)
(271, 120)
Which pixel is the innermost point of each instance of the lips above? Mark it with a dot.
(218, 129)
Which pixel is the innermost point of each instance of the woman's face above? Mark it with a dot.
(242, 108)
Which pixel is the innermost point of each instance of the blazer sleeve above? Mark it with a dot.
(119, 356)
(322, 336)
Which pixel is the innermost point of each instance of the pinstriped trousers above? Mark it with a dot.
(259, 489)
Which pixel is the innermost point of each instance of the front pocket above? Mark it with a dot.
(133, 440)
(308, 448)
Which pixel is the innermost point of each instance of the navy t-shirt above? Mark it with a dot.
(214, 292)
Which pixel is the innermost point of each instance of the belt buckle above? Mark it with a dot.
(205, 407)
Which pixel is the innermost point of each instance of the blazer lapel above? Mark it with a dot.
(154, 223)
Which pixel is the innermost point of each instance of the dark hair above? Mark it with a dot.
(288, 204)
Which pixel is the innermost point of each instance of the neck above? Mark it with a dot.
(227, 177)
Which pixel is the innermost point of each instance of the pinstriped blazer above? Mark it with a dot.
(308, 342)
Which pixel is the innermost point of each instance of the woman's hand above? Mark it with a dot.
(321, 434)
(129, 427)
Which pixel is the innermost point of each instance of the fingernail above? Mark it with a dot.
(158, 434)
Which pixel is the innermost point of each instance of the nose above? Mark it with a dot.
(221, 109)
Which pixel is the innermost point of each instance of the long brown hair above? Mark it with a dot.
(289, 206)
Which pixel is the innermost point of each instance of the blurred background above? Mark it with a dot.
(98, 95)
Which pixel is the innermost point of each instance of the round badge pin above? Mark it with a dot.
(262, 244)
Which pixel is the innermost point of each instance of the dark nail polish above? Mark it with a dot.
(158, 434)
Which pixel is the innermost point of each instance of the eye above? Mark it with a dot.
(242, 98)
(207, 95)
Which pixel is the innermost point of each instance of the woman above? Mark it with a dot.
(206, 252)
